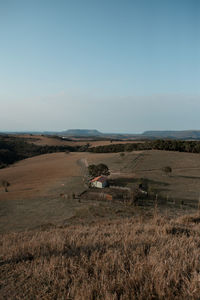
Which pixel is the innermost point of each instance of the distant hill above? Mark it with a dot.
(93, 133)
(185, 134)
(82, 132)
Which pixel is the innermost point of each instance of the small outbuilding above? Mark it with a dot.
(99, 182)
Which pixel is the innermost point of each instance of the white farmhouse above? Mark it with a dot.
(99, 182)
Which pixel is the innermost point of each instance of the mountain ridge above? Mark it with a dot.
(92, 133)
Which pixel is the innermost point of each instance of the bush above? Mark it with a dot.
(167, 170)
(5, 184)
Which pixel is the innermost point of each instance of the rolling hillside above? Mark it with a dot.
(185, 134)
(135, 258)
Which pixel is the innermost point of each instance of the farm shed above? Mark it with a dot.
(99, 182)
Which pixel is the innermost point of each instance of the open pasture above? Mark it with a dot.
(181, 186)
(41, 187)
(36, 183)
(42, 140)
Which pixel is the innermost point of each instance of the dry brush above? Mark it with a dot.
(120, 259)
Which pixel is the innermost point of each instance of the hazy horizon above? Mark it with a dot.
(118, 67)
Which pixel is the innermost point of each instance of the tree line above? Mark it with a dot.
(168, 145)
(15, 149)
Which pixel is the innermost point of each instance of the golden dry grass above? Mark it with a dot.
(37, 175)
(33, 197)
(40, 175)
(36, 184)
(124, 259)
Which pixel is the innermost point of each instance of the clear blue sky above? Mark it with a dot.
(113, 65)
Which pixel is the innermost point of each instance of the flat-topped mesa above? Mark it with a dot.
(82, 132)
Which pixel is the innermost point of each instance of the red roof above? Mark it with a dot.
(99, 178)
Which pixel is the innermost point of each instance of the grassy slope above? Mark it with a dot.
(124, 259)
(36, 184)
(35, 188)
(182, 184)
(100, 254)
(34, 192)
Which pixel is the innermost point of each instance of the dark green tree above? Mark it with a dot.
(97, 170)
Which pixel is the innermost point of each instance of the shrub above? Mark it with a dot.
(167, 170)
(5, 184)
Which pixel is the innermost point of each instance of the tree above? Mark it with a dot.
(167, 170)
(92, 169)
(103, 169)
(97, 170)
(5, 184)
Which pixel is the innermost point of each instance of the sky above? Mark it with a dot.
(112, 65)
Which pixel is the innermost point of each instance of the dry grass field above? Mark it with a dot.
(133, 258)
(42, 140)
(182, 185)
(55, 247)
(106, 142)
(35, 187)
(34, 176)
(41, 187)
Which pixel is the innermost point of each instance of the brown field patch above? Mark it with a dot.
(33, 197)
(37, 174)
(41, 140)
(104, 143)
